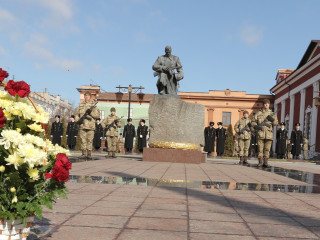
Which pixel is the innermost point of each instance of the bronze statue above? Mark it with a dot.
(165, 67)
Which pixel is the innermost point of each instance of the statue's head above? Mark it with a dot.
(168, 50)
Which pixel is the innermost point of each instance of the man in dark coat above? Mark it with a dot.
(209, 137)
(72, 133)
(142, 133)
(296, 141)
(98, 133)
(57, 131)
(281, 145)
(129, 133)
(221, 138)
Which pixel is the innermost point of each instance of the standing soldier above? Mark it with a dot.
(142, 133)
(112, 123)
(242, 128)
(72, 133)
(282, 135)
(263, 122)
(305, 147)
(209, 137)
(57, 131)
(98, 133)
(129, 133)
(87, 113)
(221, 138)
(296, 141)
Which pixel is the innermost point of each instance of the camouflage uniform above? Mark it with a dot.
(305, 148)
(244, 138)
(86, 129)
(112, 133)
(265, 133)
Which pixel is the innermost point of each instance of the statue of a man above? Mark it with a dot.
(169, 69)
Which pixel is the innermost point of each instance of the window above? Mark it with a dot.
(101, 115)
(226, 118)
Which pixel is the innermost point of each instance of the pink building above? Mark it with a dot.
(295, 91)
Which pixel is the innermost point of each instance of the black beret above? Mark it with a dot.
(212, 123)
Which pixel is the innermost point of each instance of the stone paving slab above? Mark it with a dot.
(121, 211)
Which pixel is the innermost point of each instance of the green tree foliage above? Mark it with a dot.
(228, 147)
(64, 137)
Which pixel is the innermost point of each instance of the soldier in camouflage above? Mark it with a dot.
(263, 122)
(242, 128)
(112, 123)
(86, 129)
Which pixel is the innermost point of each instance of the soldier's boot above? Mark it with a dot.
(265, 162)
(113, 155)
(241, 160)
(109, 155)
(89, 154)
(84, 154)
(245, 161)
(260, 162)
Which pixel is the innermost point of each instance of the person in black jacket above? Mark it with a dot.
(98, 133)
(142, 133)
(209, 138)
(221, 138)
(129, 133)
(72, 133)
(296, 141)
(57, 131)
(281, 146)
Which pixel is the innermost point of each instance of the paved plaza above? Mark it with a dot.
(128, 199)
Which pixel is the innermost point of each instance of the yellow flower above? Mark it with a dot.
(14, 160)
(2, 168)
(18, 130)
(36, 127)
(14, 199)
(13, 189)
(33, 173)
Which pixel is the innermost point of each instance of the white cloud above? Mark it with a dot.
(142, 37)
(3, 51)
(116, 70)
(38, 49)
(251, 35)
(6, 19)
(62, 8)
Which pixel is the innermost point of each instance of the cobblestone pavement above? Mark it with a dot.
(128, 199)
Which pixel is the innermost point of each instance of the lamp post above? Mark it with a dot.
(130, 90)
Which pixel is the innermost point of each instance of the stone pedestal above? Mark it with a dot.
(173, 155)
(176, 131)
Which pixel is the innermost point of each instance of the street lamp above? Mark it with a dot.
(130, 90)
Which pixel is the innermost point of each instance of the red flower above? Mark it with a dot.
(3, 74)
(59, 173)
(2, 119)
(21, 88)
(63, 161)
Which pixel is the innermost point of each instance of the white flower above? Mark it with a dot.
(38, 141)
(2, 168)
(36, 127)
(33, 173)
(32, 155)
(42, 116)
(13, 189)
(11, 138)
(15, 160)
(14, 199)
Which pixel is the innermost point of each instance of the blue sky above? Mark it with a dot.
(238, 44)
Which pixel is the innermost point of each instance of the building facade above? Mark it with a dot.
(295, 92)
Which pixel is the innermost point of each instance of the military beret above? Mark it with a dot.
(112, 109)
(142, 120)
(283, 123)
(211, 123)
(98, 119)
(58, 116)
(245, 112)
(72, 116)
(266, 101)
(87, 93)
(129, 120)
(297, 124)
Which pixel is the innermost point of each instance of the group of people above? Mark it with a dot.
(86, 123)
(261, 128)
(211, 135)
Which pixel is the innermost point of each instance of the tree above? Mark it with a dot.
(228, 147)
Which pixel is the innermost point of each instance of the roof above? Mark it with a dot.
(112, 96)
(308, 52)
(285, 71)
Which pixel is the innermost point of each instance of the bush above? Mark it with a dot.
(228, 147)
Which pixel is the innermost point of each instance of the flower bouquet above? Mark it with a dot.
(33, 171)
